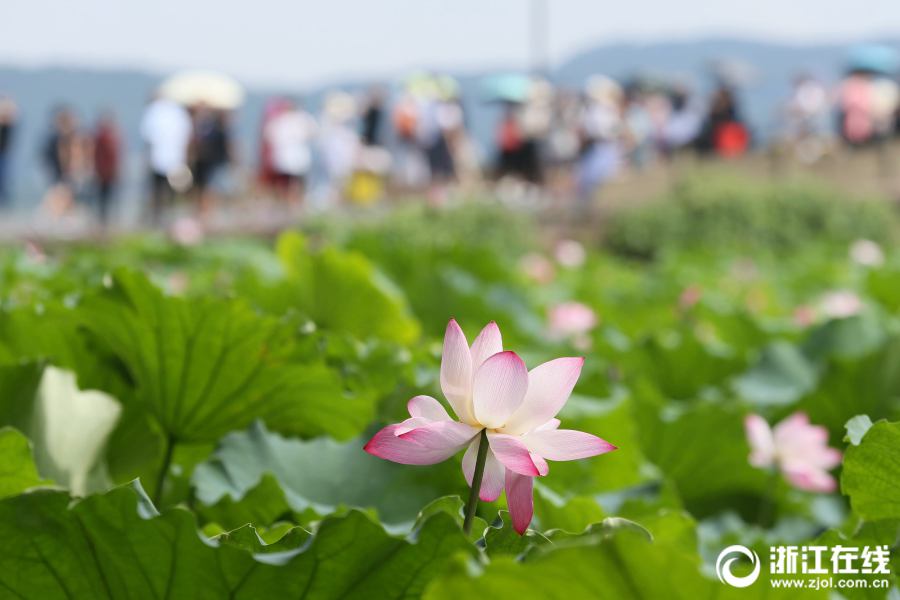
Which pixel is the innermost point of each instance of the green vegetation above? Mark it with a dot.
(728, 212)
(235, 383)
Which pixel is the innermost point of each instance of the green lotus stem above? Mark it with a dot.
(472, 505)
(161, 478)
(766, 509)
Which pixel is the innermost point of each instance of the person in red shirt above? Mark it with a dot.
(510, 143)
(107, 150)
(724, 133)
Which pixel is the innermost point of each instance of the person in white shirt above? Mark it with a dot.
(338, 142)
(290, 136)
(166, 129)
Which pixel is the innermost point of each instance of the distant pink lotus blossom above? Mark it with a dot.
(569, 319)
(573, 322)
(491, 389)
(867, 253)
(840, 304)
(689, 297)
(537, 268)
(804, 315)
(799, 450)
(570, 254)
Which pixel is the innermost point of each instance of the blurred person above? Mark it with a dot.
(563, 141)
(724, 132)
(658, 104)
(807, 104)
(8, 114)
(897, 120)
(463, 149)
(166, 129)
(601, 131)
(372, 118)
(520, 141)
(535, 118)
(855, 108)
(510, 140)
(428, 131)
(338, 141)
(373, 164)
(267, 176)
(210, 152)
(439, 117)
(289, 136)
(107, 161)
(885, 99)
(638, 127)
(61, 153)
(806, 114)
(410, 168)
(683, 123)
(367, 183)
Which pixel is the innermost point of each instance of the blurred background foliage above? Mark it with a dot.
(240, 378)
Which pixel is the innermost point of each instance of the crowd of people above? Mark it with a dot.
(80, 159)
(862, 110)
(416, 138)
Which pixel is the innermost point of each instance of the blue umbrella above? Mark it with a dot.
(874, 58)
(510, 87)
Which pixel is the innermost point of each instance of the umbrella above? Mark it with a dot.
(874, 58)
(339, 107)
(507, 88)
(203, 87)
(421, 85)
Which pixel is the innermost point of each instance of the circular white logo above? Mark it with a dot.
(723, 566)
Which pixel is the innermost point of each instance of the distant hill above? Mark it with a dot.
(773, 65)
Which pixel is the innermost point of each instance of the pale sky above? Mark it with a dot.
(280, 41)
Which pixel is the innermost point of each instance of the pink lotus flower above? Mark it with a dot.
(799, 450)
(867, 253)
(537, 268)
(804, 315)
(568, 319)
(840, 304)
(689, 297)
(570, 254)
(490, 389)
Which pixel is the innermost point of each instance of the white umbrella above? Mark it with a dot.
(203, 87)
(339, 106)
